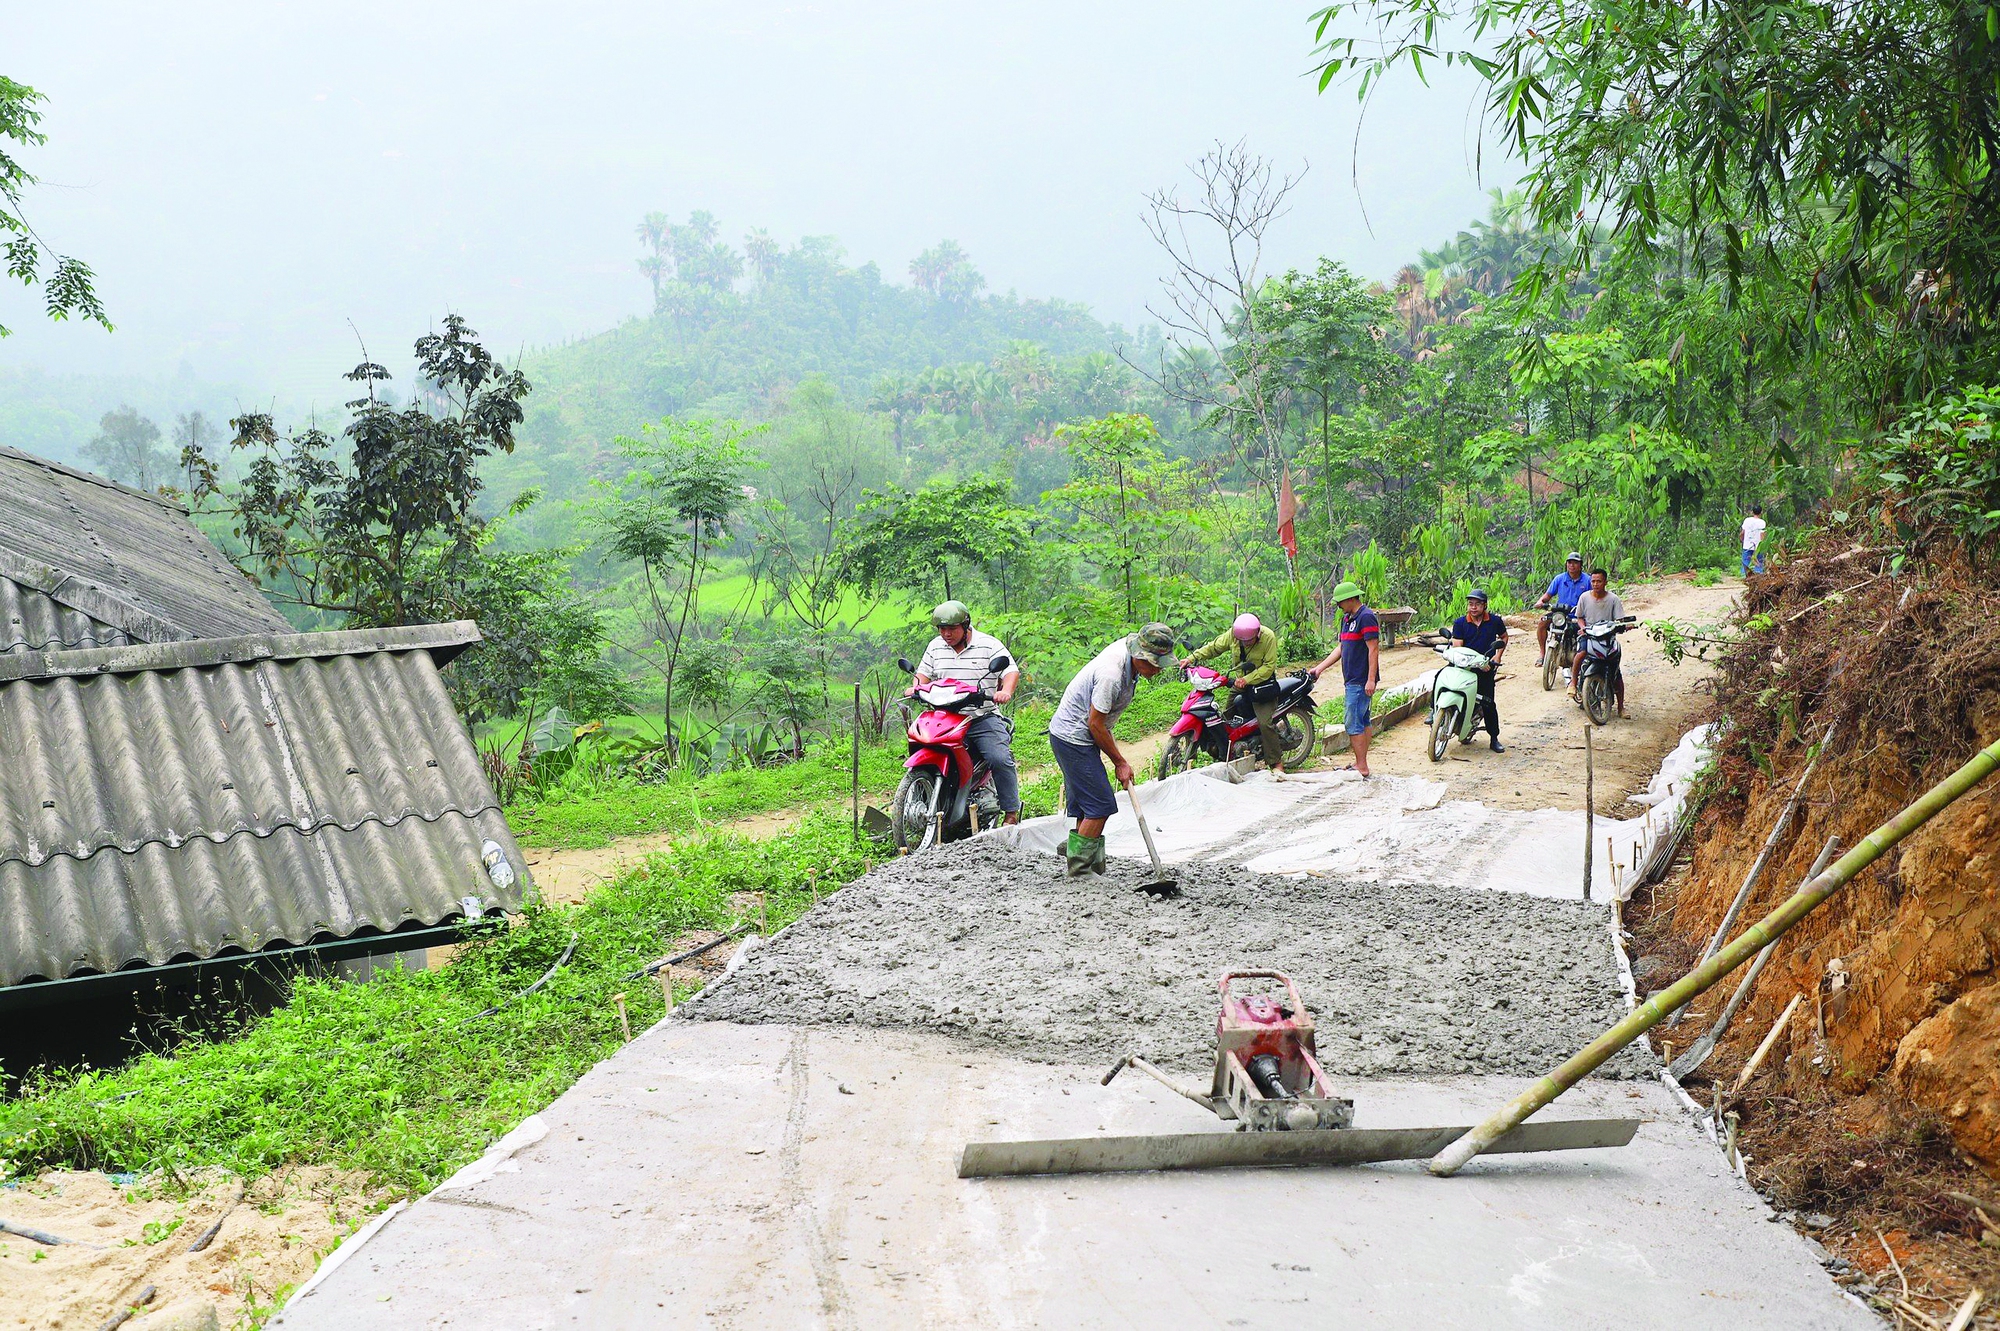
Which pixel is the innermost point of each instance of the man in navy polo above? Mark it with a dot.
(1487, 635)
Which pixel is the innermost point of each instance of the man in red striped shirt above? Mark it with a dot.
(1360, 656)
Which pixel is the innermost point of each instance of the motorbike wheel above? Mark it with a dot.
(1174, 758)
(1444, 724)
(1551, 667)
(1298, 737)
(1597, 699)
(909, 814)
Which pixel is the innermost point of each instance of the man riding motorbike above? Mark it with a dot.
(962, 653)
(1563, 590)
(1486, 634)
(1255, 662)
(1599, 605)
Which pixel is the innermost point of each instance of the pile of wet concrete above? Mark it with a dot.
(991, 944)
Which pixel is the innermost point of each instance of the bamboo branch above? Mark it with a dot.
(1649, 1014)
(1778, 831)
(1764, 1049)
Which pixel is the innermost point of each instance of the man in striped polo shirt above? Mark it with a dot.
(1360, 657)
(962, 653)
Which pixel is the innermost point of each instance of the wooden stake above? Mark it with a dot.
(666, 989)
(1810, 897)
(1757, 1059)
(857, 761)
(763, 914)
(625, 1022)
(1589, 804)
(1966, 1311)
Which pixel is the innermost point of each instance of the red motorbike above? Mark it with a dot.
(945, 792)
(1204, 730)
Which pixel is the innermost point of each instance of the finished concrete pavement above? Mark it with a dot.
(719, 1175)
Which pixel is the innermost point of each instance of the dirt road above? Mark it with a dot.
(1543, 731)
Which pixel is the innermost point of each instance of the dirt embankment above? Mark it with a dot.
(1880, 1101)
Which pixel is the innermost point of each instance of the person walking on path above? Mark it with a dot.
(1599, 605)
(1753, 537)
(1487, 635)
(962, 653)
(1360, 656)
(1255, 662)
(1080, 735)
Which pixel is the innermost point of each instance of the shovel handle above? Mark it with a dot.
(1145, 831)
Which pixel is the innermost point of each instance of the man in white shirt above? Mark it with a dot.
(1753, 536)
(960, 652)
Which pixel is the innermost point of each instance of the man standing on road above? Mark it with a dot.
(1563, 590)
(1753, 537)
(960, 652)
(1360, 654)
(1487, 635)
(1080, 731)
(1255, 662)
(1596, 606)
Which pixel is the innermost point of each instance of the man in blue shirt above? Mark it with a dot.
(1360, 657)
(1563, 591)
(1487, 635)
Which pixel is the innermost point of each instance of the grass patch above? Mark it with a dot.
(396, 1077)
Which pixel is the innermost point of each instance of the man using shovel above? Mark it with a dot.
(1080, 735)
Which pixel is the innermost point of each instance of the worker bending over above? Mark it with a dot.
(1080, 735)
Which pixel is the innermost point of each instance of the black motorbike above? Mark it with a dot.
(1603, 666)
(1562, 644)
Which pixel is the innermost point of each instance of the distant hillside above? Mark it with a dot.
(802, 313)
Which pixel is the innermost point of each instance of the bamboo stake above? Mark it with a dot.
(666, 989)
(1589, 804)
(1649, 1014)
(1966, 1311)
(857, 762)
(1778, 831)
(1698, 1052)
(1757, 1059)
(624, 1021)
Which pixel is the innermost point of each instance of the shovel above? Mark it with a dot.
(1160, 885)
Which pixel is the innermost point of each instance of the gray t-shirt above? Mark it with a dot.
(1105, 685)
(1598, 609)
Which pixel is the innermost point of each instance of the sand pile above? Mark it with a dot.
(989, 943)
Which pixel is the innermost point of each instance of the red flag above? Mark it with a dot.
(1288, 512)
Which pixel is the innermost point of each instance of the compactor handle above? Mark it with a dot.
(1222, 985)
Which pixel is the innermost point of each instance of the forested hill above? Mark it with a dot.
(733, 334)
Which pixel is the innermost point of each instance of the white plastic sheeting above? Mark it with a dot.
(1391, 829)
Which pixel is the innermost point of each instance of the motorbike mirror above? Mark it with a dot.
(903, 664)
(999, 665)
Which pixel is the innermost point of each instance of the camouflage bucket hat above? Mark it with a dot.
(1154, 643)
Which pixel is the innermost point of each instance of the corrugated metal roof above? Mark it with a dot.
(30, 621)
(127, 559)
(171, 802)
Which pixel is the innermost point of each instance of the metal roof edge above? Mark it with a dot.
(106, 607)
(442, 641)
(77, 473)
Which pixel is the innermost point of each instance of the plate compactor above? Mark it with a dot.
(1268, 1081)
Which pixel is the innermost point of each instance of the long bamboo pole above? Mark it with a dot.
(1800, 904)
(857, 762)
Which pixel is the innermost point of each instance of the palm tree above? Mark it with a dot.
(762, 250)
(653, 233)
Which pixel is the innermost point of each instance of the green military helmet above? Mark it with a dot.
(949, 614)
(1346, 591)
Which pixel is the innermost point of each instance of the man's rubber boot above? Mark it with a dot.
(1095, 846)
(1078, 853)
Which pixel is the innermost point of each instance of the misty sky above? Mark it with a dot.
(249, 178)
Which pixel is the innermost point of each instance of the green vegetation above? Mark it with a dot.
(405, 1077)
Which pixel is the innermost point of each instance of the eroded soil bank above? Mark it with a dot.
(991, 944)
